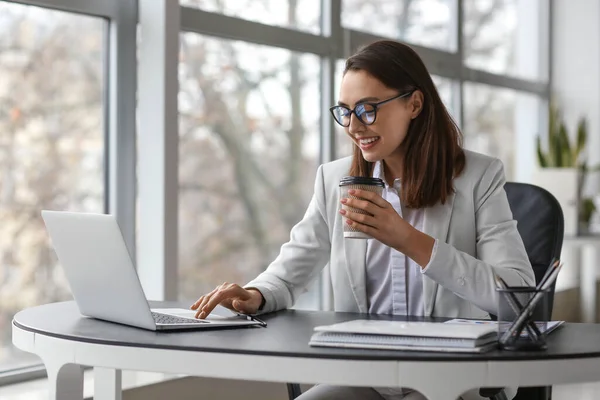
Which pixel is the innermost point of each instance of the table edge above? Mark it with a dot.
(406, 355)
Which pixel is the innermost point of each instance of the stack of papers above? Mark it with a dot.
(398, 335)
(544, 327)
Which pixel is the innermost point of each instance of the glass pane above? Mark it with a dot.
(343, 144)
(304, 15)
(445, 88)
(249, 148)
(504, 37)
(503, 123)
(424, 22)
(51, 149)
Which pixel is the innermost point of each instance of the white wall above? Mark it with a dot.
(575, 69)
(575, 75)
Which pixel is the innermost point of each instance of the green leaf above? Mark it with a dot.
(587, 208)
(564, 147)
(566, 158)
(581, 137)
(552, 134)
(542, 159)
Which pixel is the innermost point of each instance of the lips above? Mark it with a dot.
(367, 143)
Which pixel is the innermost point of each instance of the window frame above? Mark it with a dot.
(337, 42)
(119, 97)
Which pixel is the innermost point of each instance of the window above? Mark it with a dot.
(503, 123)
(249, 147)
(423, 22)
(445, 88)
(51, 149)
(504, 37)
(343, 144)
(304, 15)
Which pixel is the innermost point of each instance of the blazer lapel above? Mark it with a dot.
(356, 252)
(436, 224)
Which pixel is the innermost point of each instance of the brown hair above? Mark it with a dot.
(433, 145)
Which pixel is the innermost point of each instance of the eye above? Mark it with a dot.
(366, 112)
(343, 111)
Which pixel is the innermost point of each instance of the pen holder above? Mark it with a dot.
(521, 321)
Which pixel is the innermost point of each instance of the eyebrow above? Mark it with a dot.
(363, 100)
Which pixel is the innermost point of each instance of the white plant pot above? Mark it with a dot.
(563, 183)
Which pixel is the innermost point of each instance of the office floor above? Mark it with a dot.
(585, 391)
(37, 391)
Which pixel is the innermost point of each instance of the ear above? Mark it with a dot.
(416, 104)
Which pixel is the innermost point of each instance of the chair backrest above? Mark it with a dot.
(541, 226)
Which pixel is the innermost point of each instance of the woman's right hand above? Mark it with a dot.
(231, 296)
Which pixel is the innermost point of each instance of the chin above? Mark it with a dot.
(371, 157)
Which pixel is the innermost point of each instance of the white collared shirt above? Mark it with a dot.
(394, 281)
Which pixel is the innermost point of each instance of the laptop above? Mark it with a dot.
(104, 281)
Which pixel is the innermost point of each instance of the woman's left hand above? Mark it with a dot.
(383, 223)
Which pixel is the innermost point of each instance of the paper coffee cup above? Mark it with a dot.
(362, 183)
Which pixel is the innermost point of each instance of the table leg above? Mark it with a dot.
(65, 381)
(588, 284)
(107, 384)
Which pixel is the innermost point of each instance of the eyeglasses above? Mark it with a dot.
(365, 112)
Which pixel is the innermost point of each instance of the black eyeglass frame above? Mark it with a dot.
(374, 105)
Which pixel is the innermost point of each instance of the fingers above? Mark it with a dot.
(364, 205)
(196, 305)
(369, 230)
(372, 197)
(242, 307)
(363, 219)
(204, 301)
(225, 293)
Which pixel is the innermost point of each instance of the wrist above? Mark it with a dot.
(418, 246)
(257, 298)
(407, 241)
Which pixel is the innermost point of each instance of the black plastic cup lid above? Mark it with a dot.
(361, 180)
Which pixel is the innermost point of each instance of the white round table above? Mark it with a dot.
(66, 341)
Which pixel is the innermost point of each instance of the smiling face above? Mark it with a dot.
(383, 138)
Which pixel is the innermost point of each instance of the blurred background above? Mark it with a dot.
(243, 124)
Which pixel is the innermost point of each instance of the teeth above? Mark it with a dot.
(369, 140)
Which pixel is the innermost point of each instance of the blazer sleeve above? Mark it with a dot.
(300, 259)
(500, 249)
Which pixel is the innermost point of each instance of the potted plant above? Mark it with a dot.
(563, 167)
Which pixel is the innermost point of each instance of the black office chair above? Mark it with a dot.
(541, 226)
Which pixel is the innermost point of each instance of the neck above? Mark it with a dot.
(392, 169)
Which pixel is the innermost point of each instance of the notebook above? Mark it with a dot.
(400, 335)
(544, 327)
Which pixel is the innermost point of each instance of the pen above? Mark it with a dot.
(516, 306)
(553, 264)
(255, 319)
(517, 325)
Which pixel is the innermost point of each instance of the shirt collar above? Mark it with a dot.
(379, 173)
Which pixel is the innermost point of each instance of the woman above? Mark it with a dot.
(440, 230)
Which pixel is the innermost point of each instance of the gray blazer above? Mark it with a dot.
(476, 236)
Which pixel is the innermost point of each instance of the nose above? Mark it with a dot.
(355, 125)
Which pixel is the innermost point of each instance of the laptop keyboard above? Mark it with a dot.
(169, 319)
